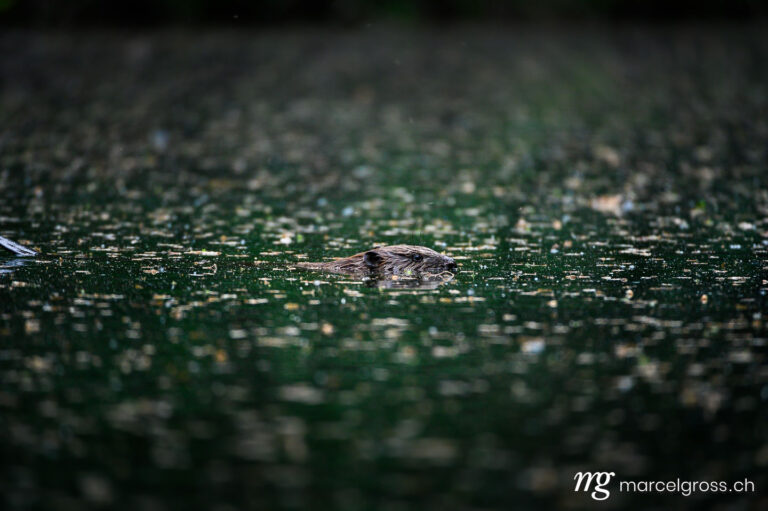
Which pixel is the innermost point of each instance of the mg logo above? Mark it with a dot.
(601, 480)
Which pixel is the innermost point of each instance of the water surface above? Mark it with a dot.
(604, 194)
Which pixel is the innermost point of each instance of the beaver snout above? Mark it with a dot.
(451, 266)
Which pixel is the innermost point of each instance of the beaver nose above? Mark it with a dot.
(451, 266)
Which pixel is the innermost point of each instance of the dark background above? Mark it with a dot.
(76, 13)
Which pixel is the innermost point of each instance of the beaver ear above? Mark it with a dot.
(371, 259)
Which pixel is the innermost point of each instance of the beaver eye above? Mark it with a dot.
(417, 257)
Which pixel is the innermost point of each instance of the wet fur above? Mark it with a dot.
(388, 260)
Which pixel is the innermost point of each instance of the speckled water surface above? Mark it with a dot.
(604, 192)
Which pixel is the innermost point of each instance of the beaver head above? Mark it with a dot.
(406, 260)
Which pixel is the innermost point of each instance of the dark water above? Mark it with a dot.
(603, 191)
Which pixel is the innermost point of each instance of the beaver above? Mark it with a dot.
(388, 260)
(19, 250)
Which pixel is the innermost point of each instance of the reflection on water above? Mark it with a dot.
(9, 265)
(416, 283)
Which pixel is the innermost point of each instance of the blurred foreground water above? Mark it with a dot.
(603, 191)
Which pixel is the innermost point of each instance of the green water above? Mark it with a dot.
(604, 193)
